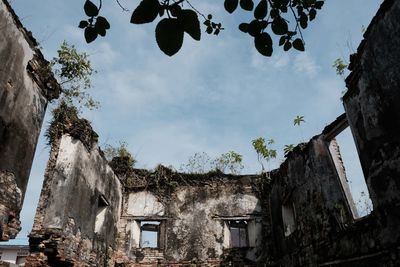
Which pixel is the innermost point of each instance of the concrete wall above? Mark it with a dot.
(194, 223)
(306, 193)
(326, 233)
(26, 85)
(372, 104)
(79, 188)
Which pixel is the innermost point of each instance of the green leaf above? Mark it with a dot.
(279, 26)
(312, 14)
(263, 44)
(244, 27)
(298, 44)
(146, 12)
(102, 22)
(247, 4)
(287, 46)
(90, 9)
(90, 34)
(231, 5)
(191, 24)
(261, 10)
(83, 24)
(169, 36)
(298, 120)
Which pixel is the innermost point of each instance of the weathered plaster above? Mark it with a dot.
(69, 205)
(23, 100)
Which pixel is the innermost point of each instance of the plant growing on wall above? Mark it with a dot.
(264, 152)
(74, 71)
(287, 149)
(121, 150)
(231, 161)
(340, 67)
(299, 120)
(198, 163)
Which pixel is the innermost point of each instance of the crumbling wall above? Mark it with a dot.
(325, 232)
(79, 206)
(194, 221)
(372, 104)
(26, 86)
(308, 204)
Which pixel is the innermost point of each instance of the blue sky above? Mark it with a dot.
(214, 96)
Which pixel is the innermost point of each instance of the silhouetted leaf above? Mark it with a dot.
(169, 36)
(216, 32)
(90, 9)
(146, 12)
(298, 44)
(274, 13)
(279, 26)
(282, 40)
(175, 10)
(244, 27)
(100, 28)
(209, 29)
(287, 46)
(90, 34)
(247, 4)
(303, 20)
(83, 24)
(254, 28)
(191, 23)
(261, 10)
(263, 44)
(231, 5)
(312, 14)
(102, 22)
(319, 4)
(161, 11)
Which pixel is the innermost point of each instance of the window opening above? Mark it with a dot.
(20, 260)
(239, 234)
(348, 166)
(149, 234)
(289, 217)
(102, 205)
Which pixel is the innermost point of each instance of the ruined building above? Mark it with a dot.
(97, 213)
(26, 86)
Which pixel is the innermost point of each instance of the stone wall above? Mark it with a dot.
(194, 220)
(79, 206)
(26, 86)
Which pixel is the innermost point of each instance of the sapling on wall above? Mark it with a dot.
(264, 153)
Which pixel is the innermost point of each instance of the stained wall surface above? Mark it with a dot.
(26, 85)
(326, 234)
(194, 222)
(79, 207)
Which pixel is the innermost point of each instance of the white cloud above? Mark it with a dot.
(304, 63)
